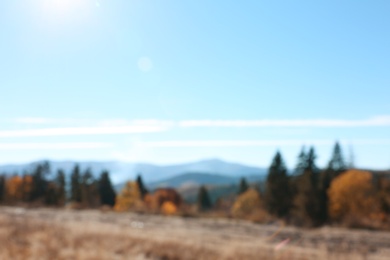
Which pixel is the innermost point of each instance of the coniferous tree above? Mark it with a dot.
(106, 191)
(26, 187)
(306, 201)
(141, 186)
(337, 163)
(277, 194)
(39, 182)
(89, 190)
(243, 186)
(61, 188)
(336, 166)
(302, 161)
(75, 189)
(204, 201)
(51, 194)
(2, 188)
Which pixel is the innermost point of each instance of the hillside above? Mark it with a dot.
(151, 173)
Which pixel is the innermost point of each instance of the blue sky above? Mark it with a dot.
(175, 81)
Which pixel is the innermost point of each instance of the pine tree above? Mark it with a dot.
(307, 199)
(277, 193)
(2, 188)
(204, 202)
(61, 191)
(243, 186)
(302, 160)
(39, 182)
(106, 191)
(75, 189)
(337, 163)
(89, 190)
(335, 167)
(141, 186)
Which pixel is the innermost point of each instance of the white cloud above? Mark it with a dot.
(53, 146)
(260, 143)
(371, 122)
(66, 131)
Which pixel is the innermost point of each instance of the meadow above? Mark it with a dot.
(96, 234)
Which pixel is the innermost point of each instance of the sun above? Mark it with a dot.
(65, 12)
(66, 7)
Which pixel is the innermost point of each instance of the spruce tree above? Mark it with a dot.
(277, 192)
(89, 189)
(243, 186)
(2, 187)
(307, 199)
(141, 186)
(302, 160)
(61, 189)
(204, 202)
(106, 191)
(39, 182)
(337, 163)
(75, 189)
(336, 166)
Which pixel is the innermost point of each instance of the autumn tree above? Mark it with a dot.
(106, 190)
(352, 195)
(13, 191)
(247, 204)
(129, 197)
(203, 200)
(277, 193)
(243, 187)
(383, 188)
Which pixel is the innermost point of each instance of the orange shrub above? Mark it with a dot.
(352, 195)
(168, 208)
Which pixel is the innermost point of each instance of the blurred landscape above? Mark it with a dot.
(304, 213)
(170, 130)
(91, 234)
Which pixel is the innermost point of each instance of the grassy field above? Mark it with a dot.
(91, 234)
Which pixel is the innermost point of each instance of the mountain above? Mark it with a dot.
(122, 171)
(218, 185)
(197, 179)
(193, 179)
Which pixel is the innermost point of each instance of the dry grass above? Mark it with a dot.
(66, 234)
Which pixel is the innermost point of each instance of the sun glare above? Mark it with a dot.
(61, 8)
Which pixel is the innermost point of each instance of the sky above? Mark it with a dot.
(169, 81)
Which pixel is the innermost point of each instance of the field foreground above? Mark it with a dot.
(91, 234)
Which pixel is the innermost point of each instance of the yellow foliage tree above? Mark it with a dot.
(14, 189)
(246, 204)
(352, 195)
(128, 198)
(168, 208)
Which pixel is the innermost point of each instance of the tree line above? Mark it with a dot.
(39, 186)
(311, 196)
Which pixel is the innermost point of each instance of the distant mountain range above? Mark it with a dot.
(212, 171)
(188, 180)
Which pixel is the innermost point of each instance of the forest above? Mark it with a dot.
(306, 196)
